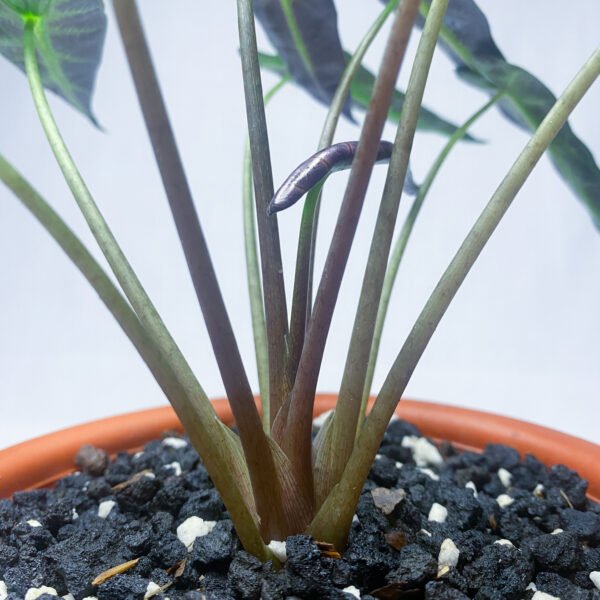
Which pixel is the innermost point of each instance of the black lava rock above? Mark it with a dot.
(389, 554)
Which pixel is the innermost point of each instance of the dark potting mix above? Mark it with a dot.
(432, 523)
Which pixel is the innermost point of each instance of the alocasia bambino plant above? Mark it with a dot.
(274, 479)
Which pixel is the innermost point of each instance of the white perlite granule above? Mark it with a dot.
(425, 532)
(176, 468)
(68, 597)
(504, 500)
(543, 596)
(353, 591)
(399, 465)
(278, 549)
(595, 578)
(429, 473)
(320, 420)
(532, 587)
(34, 523)
(3, 591)
(557, 531)
(505, 477)
(192, 528)
(174, 442)
(438, 513)
(152, 589)
(449, 553)
(471, 486)
(504, 543)
(74, 514)
(105, 507)
(33, 593)
(423, 451)
(538, 490)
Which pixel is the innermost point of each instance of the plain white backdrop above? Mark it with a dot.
(522, 337)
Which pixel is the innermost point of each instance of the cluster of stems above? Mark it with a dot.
(274, 480)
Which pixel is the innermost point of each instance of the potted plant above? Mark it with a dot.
(426, 529)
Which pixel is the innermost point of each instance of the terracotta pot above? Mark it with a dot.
(46, 459)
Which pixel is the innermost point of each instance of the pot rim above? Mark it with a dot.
(43, 460)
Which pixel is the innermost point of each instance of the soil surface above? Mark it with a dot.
(431, 523)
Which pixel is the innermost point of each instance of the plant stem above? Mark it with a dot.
(239, 393)
(302, 295)
(290, 18)
(257, 309)
(401, 243)
(295, 425)
(268, 232)
(335, 516)
(342, 431)
(207, 433)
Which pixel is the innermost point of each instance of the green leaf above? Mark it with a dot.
(361, 92)
(466, 38)
(69, 37)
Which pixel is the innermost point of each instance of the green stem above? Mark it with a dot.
(195, 410)
(335, 516)
(294, 424)
(257, 309)
(401, 243)
(268, 231)
(343, 428)
(303, 281)
(288, 10)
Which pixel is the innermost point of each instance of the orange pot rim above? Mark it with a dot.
(43, 460)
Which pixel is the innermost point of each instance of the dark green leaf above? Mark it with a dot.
(466, 38)
(314, 57)
(361, 92)
(69, 37)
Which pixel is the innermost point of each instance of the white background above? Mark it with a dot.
(521, 338)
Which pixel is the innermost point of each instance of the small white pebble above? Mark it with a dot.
(449, 553)
(504, 543)
(192, 528)
(74, 514)
(68, 597)
(176, 468)
(278, 549)
(105, 507)
(543, 596)
(33, 593)
(595, 578)
(557, 531)
(504, 500)
(438, 513)
(355, 519)
(425, 532)
(353, 591)
(138, 454)
(320, 420)
(505, 477)
(152, 589)
(423, 451)
(429, 473)
(34, 523)
(3, 590)
(470, 485)
(399, 465)
(532, 587)
(174, 442)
